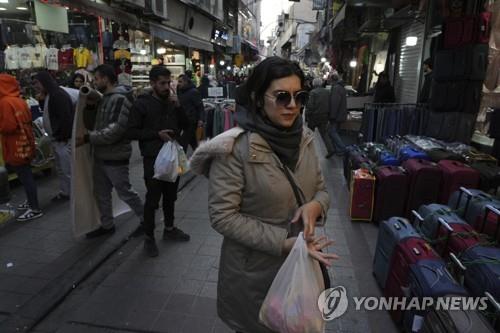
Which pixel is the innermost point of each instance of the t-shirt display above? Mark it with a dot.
(82, 57)
(65, 58)
(52, 59)
(40, 52)
(11, 57)
(26, 56)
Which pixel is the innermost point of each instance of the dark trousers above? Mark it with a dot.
(155, 189)
(188, 138)
(25, 175)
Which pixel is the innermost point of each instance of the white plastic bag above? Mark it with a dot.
(167, 162)
(290, 305)
(183, 161)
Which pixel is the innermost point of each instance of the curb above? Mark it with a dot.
(72, 268)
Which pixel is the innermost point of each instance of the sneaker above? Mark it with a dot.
(150, 247)
(100, 232)
(23, 206)
(176, 234)
(30, 214)
(60, 197)
(138, 232)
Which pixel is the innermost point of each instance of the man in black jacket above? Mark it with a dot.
(190, 100)
(58, 113)
(154, 120)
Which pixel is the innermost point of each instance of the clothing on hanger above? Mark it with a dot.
(82, 57)
(26, 56)
(11, 57)
(40, 52)
(52, 59)
(65, 57)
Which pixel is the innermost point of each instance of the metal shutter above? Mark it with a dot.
(408, 76)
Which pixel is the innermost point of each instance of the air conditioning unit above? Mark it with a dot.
(131, 3)
(157, 8)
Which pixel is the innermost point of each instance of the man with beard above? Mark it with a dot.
(155, 118)
(112, 150)
(191, 102)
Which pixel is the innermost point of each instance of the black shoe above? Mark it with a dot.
(60, 197)
(150, 247)
(100, 232)
(330, 154)
(176, 234)
(138, 232)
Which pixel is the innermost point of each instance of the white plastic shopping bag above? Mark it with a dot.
(290, 305)
(167, 162)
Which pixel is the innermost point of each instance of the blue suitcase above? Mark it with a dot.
(390, 233)
(388, 158)
(472, 204)
(429, 278)
(483, 270)
(430, 214)
(408, 152)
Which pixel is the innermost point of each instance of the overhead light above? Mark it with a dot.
(167, 41)
(1, 8)
(228, 68)
(222, 63)
(211, 66)
(353, 63)
(4, 1)
(143, 52)
(146, 40)
(21, 8)
(411, 41)
(323, 59)
(161, 50)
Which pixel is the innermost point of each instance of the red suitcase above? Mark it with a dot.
(424, 183)
(362, 195)
(455, 238)
(391, 192)
(456, 175)
(406, 253)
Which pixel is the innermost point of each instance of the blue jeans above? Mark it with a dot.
(25, 175)
(336, 139)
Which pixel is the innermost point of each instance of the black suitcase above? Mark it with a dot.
(4, 185)
(472, 96)
(489, 176)
(447, 95)
(455, 321)
(477, 62)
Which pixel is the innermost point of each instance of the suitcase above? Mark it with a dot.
(458, 32)
(472, 97)
(391, 232)
(424, 183)
(352, 161)
(488, 222)
(440, 154)
(482, 270)
(407, 153)
(429, 215)
(407, 252)
(447, 96)
(391, 192)
(362, 195)
(472, 156)
(471, 203)
(4, 185)
(455, 321)
(388, 158)
(374, 149)
(489, 175)
(456, 175)
(429, 278)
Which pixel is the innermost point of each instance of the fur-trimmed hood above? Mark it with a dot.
(222, 144)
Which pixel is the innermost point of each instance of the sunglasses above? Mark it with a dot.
(284, 98)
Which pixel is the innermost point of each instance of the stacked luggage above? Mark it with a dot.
(410, 172)
(412, 260)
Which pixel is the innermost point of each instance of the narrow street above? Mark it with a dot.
(114, 287)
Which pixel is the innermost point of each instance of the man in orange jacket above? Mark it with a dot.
(18, 142)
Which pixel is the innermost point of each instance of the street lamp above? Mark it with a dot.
(222, 63)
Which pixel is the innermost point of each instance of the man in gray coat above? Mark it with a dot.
(317, 113)
(338, 112)
(112, 150)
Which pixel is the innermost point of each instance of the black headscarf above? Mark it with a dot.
(285, 142)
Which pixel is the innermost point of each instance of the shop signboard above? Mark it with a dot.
(52, 18)
(247, 28)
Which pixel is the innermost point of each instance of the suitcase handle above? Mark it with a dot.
(450, 231)
(401, 223)
(494, 211)
(469, 194)
(457, 263)
(495, 304)
(417, 217)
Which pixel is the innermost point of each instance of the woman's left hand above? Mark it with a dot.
(317, 244)
(309, 213)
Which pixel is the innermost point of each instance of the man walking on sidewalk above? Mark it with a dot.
(58, 114)
(338, 112)
(18, 142)
(191, 102)
(154, 120)
(112, 150)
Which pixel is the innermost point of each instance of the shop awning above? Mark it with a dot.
(180, 38)
(250, 44)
